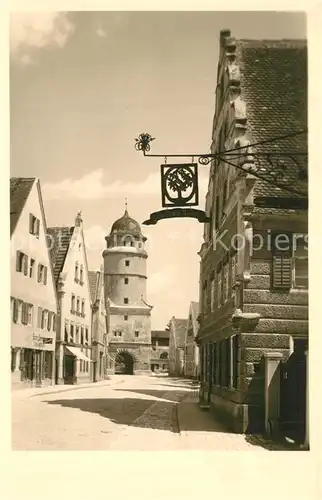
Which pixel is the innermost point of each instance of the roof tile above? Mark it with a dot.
(59, 245)
(274, 87)
(20, 188)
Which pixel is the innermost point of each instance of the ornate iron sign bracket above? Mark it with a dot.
(268, 165)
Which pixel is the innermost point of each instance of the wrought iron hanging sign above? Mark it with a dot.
(180, 191)
(179, 182)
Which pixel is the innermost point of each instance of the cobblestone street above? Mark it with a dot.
(124, 413)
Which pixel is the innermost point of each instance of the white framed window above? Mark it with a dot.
(78, 305)
(73, 302)
(83, 306)
(71, 332)
(66, 331)
(34, 225)
(81, 275)
(76, 271)
(22, 263)
(31, 268)
(42, 274)
(30, 314)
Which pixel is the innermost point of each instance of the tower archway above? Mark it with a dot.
(124, 363)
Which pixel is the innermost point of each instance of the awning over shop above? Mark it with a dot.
(75, 351)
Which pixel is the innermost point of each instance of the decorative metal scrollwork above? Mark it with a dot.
(280, 169)
(179, 185)
(204, 160)
(143, 142)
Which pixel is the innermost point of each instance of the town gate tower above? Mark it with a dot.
(125, 281)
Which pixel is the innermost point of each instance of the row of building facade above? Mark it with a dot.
(254, 258)
(69, 324)
(58, 314)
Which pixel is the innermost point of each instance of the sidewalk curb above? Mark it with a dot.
(76, 388)
(180, 432)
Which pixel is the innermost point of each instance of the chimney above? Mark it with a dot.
(224, 34)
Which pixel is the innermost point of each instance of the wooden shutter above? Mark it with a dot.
(31, 224)
(54, 322)
(37, 227)
(18, 261)
(39, 317)
(39, 273)
(49, 321)
(282, 270)
(15, 310)
(282, 263)
(24, 313)
(45, 275)
(25, 265)
(42, 319)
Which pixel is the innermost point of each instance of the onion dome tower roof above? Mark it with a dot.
(126, 225)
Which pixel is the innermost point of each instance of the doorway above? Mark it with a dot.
(69, 369)
(124, 363)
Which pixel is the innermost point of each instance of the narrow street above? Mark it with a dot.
(125, 413)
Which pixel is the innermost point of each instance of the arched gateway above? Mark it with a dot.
(124, 363)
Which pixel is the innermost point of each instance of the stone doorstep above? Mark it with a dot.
(61, 388)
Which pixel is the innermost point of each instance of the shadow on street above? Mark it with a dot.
(155, 393)
(120, 411)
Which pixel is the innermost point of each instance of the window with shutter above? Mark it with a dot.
(29, 314)
(45, 275)
(282, 271)
(282, 261)
(24, 313)
(37, 227)
(43, 319)
(25, 265)
(31, 224)
(39, 273)
(39, 317)
(19, 261)
(15, 310)
(54, 322)
(50, 314)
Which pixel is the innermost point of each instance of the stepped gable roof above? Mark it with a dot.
(274, 88)
(59, 242)
(126, 224)
(160, 334)
(20, 188)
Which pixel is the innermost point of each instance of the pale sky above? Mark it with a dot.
(85, 84)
